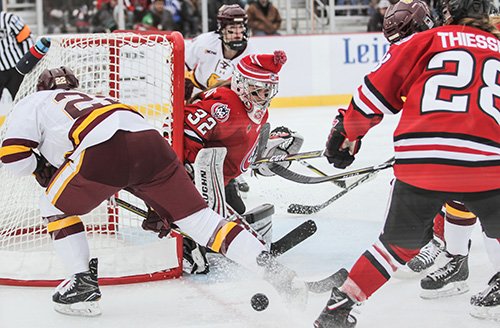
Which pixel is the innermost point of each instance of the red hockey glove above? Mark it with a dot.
(339, 150)
(155, 223)
(44, 170)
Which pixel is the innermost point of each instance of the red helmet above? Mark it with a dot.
(57, 78)
(406, 17)
(232, 15)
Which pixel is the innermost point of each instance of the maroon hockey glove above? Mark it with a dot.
(44, 170)
(155, 223)
(339, 150)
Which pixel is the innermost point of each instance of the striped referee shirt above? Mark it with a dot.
(15, 40)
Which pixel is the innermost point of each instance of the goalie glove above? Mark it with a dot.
(339, 150)
(155, 223)
(44, 170)
(282, 141)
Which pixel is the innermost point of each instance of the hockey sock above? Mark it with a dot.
(492, 246)
(458, 228)
(73, 250)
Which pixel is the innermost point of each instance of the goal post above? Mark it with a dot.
(141, 69)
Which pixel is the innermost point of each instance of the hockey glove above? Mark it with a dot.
(44, 170)
(282, 141)
(194, 259)
(154, 222)
(339, 150)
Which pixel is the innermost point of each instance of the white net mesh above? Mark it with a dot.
(137, 70)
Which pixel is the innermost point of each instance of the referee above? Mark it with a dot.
(15, 41)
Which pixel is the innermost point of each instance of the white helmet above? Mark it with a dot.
(255, 81)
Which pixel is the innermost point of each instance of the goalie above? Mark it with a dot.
(222, 127)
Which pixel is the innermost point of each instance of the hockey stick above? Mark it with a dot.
(338, 183)
(289, 158)
(326, 285)
(293, 238)
(281, 246)
(310, 209)
(299, 178)
(263, 138)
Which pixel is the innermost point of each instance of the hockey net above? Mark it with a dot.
(145, 70)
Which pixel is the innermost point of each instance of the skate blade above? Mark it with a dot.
(485, 312)
(452, 289)
(82, 309)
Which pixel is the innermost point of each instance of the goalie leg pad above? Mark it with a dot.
(209, 178)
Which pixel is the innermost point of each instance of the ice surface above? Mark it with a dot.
(222, 299)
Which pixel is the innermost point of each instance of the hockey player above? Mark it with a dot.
(211, 57)
(454, 223)
(436, 159)
(90, 147)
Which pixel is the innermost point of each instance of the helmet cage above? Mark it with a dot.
(256, 95)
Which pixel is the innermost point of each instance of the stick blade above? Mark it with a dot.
(325, 285)
(293, 238)
(302, 209)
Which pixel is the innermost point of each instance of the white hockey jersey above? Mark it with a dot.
(205, 57)
(61, 124)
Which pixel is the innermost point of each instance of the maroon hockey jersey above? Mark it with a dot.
(219, 119)
(448, 137)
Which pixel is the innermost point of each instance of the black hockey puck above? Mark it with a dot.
(259, 302)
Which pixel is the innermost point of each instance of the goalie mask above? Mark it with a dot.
(255, 81)
(405, 18)
(57, 78)
(232, 26)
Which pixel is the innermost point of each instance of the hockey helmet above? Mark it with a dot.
(255, 80)
(405, 18)
(454, 10)
(57, 78)
(228, 17)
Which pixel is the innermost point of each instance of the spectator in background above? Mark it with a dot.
(158, 17)
(264, 18)
(191, 18)
(103, 21)
(377, 19)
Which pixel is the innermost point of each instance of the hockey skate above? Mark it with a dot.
(336, 313)
(79, 295)
(427, 256)
(486, 304)
(284, 280)
(448, 280)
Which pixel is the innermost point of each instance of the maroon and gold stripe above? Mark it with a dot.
(65, 227)
(457, 213)
(14, 150)
(223, 236)
(85, 124)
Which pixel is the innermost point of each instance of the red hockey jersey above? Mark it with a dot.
(219, 119)
(448, 137)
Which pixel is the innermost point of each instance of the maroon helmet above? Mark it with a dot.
(57, 78)
(232, 15)
(405, 18)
